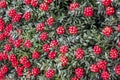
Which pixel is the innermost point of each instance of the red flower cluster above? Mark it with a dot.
(79, 72)
(3, 56)
(20, 70)
(46, 47)
(79, 53)
(27, 44)
(3, 71)
(100, 65)
(13, 60)
(73, 30)
(3, 4)
(7, 47)
(27, 16)
(64, 60)
(74, 78)
(33, 3)
(50, 21)
(35, 71)
(60, 30)
(106, 2)
(35, 55)
(63, 49)
(44, 7)
(117, 69)
(25, 62)
(114, 53)
(88, 12)
(54, 43)
(40, 26)
(94, 68)
(110, 11)
(43, 36)
(49, 73)
(105, 75)
(97, 49)
(52, 55)
(107, 31)
(73, 6)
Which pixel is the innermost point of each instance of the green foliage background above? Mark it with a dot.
(89, 34)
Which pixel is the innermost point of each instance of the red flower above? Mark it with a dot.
(94, 68)
(105, 75)
(35, 55)
(97, 49)
(9, 27)
(60, 30)
(113, 53)
(25, 62)
(64, 60)
(34, 3)
(107, 31)
(27, 2)
(10, 39)
(3, 4)
(12, 57)
(73, 6)
(118, 28)
(52, 55)
(27, 65)
(15, 63)
(27, 16)
(54, 43)
(118, 43)
(79, 52)
(73, 30)
(2, 27)
(6, 33)
(23, 59)
(20, 70)
(35, 71)
(63, 49)
(43, 36)
(17, 43)
(27, 44)
(79, 72)
(49, 73)
(2, 36)
(4, 69)
(117, 69)
(2, 22)
(102, 64)
(48, 1)
(7, 47)
(106, 2)
(40, 26)
(50, 21)
(1, 56)
(16, 18)
(46, 47)
(11, 12)
(110, 11)
(74, 78)
(44, 7)
(88, 12)
(1, 75)
(4, 56)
